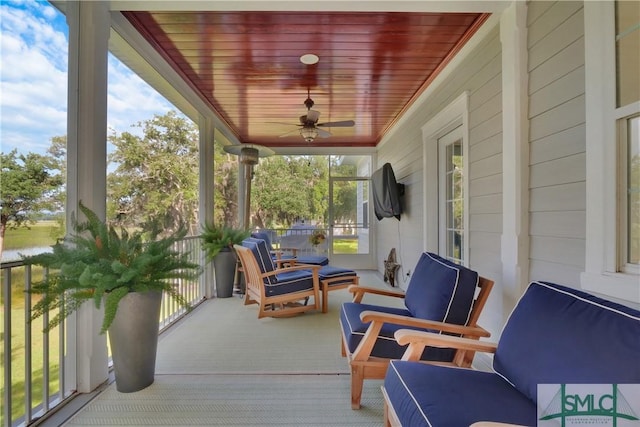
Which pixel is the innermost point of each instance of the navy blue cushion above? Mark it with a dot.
(441, 290)
(262, 255)
(263, 236)
(440, 396)
(290, 282)
(386, 346)
(561, 335)
(313, 260)
(330, 272)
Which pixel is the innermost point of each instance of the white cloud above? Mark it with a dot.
(33, 81)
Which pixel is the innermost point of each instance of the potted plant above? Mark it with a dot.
(124, 272)
(317, 238)
(217, 242)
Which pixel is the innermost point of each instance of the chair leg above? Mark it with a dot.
(325, 297)
(357, 382)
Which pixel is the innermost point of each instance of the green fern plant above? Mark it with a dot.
(101, 264)
(215, 238)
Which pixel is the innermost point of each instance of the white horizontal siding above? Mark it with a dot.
(561, 144)
(489, 203)
(557, 196)
(559, 250)
(563, 197)
(565, 223)
(558, 171)
(552, 69)
(564, 89)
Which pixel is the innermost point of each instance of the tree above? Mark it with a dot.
(29, 183)
(155, 183)
(58, 154)
(225, 196)
(288, 188)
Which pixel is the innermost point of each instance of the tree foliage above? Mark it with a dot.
(225, 188)
(289, 188)
(29, 184)
(155, 183)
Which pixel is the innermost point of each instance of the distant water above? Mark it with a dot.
(14, 254)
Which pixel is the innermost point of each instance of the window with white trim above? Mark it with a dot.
(612, 93)
(628, 92)
(451, 181)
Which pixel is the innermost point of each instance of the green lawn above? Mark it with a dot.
(345, 246)
(39, 234)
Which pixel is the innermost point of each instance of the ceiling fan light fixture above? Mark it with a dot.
(309, 59)
(309, 133)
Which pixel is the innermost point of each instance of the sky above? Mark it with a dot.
(33, 81)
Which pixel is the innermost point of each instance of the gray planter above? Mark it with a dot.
(225, 267)
(134, 340)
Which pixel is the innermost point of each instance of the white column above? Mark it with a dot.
(515, 153)
(89, 25)
(207, 137)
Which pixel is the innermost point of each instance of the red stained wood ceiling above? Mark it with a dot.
(246, 65)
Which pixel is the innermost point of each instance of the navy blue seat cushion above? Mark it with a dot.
(290, 282)
(561, 335)
(441, 290)
(330, 272)
(312, 259)
(440, 396)
(386, 346)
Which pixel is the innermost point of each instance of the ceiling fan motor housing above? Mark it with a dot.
(308, 103)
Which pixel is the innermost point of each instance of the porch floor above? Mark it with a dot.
(221, 365)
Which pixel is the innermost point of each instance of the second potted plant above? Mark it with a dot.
(217, 242)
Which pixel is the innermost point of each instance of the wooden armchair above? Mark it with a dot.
(441, 296)
(279, 292)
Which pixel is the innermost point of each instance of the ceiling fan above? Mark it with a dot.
(309, 127)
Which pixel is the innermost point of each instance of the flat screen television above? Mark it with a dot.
(386, 193)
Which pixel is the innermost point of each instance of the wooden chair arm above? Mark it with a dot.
(418, 340)
(359, 291)
(376, 316)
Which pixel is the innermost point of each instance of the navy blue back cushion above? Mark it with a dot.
(263, 236)
(262, 255)
(441, 290)
(559, 335)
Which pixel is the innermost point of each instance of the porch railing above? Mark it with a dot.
(33, 369)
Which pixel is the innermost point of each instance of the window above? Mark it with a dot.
(628, 92)
(612, 70)
(451, 192)
(445, 141)
(629, 136)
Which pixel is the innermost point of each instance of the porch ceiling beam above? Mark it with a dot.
(479, 6)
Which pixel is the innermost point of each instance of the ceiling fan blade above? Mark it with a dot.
(342, 124)
(323, 133)
(290, 133)
(313, 115)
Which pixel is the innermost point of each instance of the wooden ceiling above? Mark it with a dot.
(246, 66)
